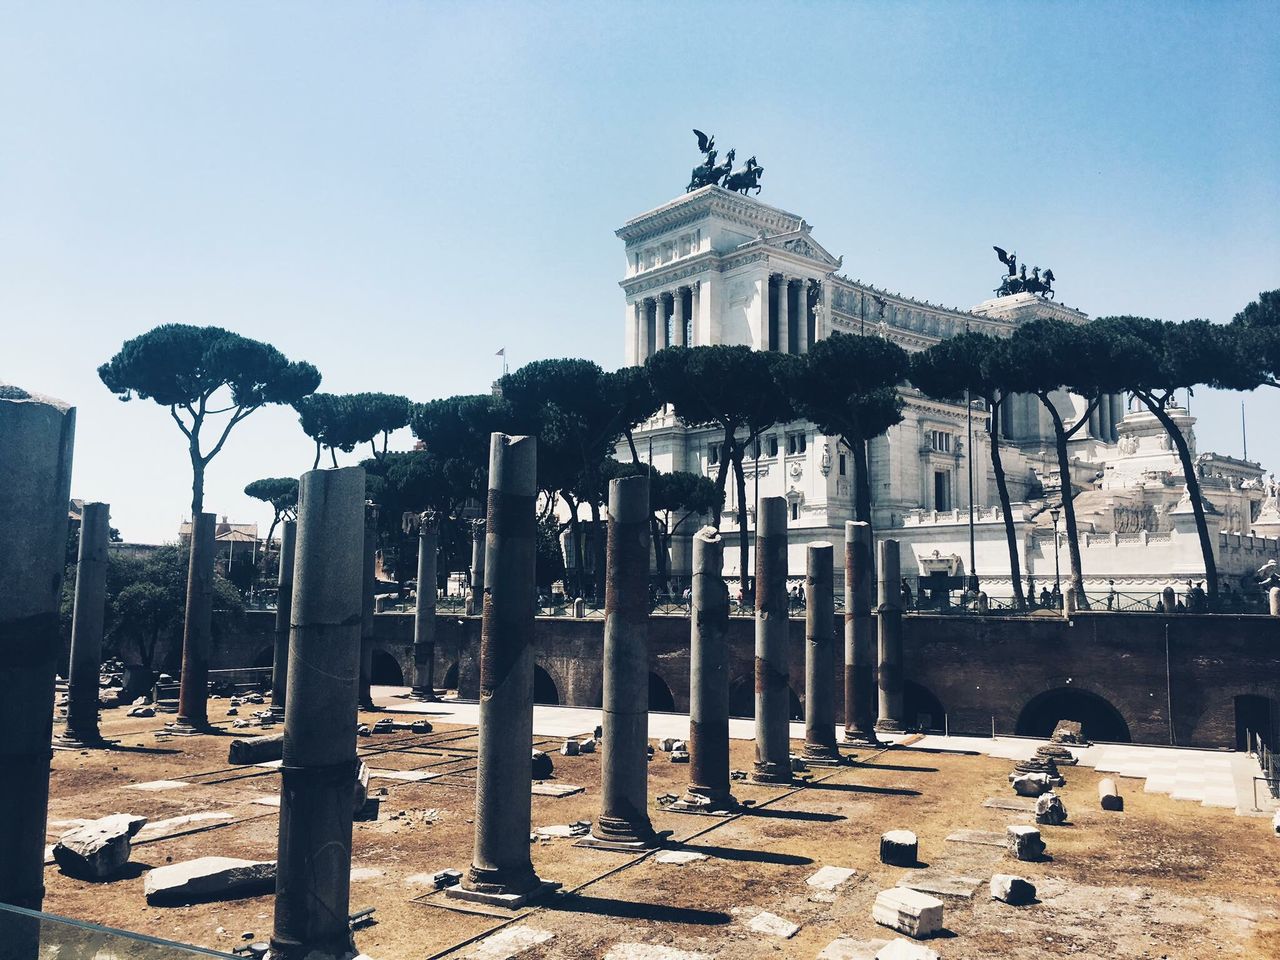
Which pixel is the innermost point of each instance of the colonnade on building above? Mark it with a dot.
(792, 319)
(666, 319)
(785, 317)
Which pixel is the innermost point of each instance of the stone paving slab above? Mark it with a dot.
(679, 857)
(556, 789)
(158, 785)
(847, 948)
(772, 925)
(986, 838)
(651, 951)
(1021, 804)
(828, 878)
(409, 776)
(939, 884)
(507, 943)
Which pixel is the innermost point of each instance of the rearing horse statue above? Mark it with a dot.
(746, 179)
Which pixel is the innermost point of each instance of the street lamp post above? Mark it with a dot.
(1055, 512)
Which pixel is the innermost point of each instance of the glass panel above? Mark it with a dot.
(27, 935)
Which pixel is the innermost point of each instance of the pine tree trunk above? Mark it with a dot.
(861, 481)
(1193, 490)
(1068, 500)
(1002, 487)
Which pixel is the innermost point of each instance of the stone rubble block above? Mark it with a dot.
(587, 745)
(99, 848)
(1012, 890)
(679, 756)
(899, 848)
(1032, 784)
(906, 950)
(1108, 796)
(209, 878)
(828, 878)
(569, 748)
(542, 766)
(772, 925)
(1050, 810)
(1025, 842)
(1275, 823)
(908, 911)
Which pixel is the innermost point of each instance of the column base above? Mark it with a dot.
(861, 738)
(706, 802)
(423, 694)
(768, 771)
(277, 713)
(185, 728)
(500, 898)
(81, 741)
(889, 725)
(824, 755)
(616, 833)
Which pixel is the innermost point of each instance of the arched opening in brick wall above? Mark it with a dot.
(660, 698)
(266, 657)
(451, 677)
(1098, 719)
(386, 670)
(544, 688)
(921, 710)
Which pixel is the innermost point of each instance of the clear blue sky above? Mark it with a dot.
(395, 190)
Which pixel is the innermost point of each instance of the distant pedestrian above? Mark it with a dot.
(907, 597)
(1199, 599)
(1046, 598)
(1111, 595)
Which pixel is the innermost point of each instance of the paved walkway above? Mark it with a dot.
(1208, 777)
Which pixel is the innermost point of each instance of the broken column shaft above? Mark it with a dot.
(318, 772)
(500, 867)
(197, 629)
(36, 436)
(424, 612)
(284, 601)
(889, 620)
(86, 627)
(819, 655)
(367, 601)
(773, 701)
(624, 817)
(859, 638)
(708, 679)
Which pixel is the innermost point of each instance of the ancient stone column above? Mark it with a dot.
(86, 628)
(477, 567)
(284, 604)
(501, 870)
(1273, 601)
(802, 327)
(773, 701)
(36, 435)
(708, 679)
(624, 817)
(319, 765)
(197, 630)
(819, 656)
(889, 617)
(424, 612)
(860, 702)
(370, 566)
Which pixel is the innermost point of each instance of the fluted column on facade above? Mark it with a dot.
(784, 314)
(695, 303)
(678, 318)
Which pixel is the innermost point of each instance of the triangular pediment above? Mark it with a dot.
(801, 243)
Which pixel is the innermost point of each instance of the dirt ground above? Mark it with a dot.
(1163, 878)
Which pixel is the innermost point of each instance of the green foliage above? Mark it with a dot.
(456, 431)
(185, 368)
(733, 387)
(145, 606)
(848, 385)
(280, 492)
(345, 421)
